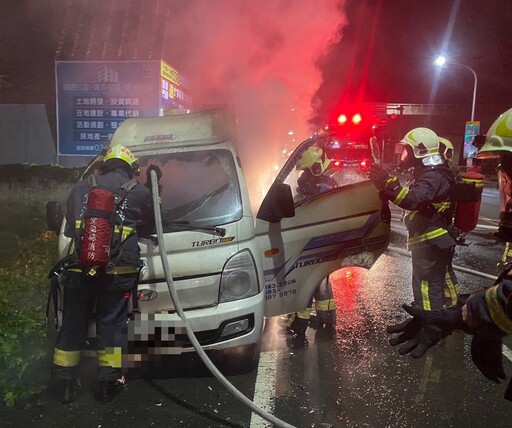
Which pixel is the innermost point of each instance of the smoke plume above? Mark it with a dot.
(260, 57)
(257, 56)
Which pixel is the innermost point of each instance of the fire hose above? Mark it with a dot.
(190, 333)
(459, 268)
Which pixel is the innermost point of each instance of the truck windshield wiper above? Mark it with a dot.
(220, 231)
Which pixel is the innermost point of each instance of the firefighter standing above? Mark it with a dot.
(446, 151)
(107, 291)
(312, 182)
(428, 215)
(487, 313)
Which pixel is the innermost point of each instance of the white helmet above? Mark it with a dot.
(423, 141)
(498, 140)
(447, 148)
(315, 160)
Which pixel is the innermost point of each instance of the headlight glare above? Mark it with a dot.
(239, 278)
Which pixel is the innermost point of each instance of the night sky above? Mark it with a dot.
(393, 43)
(385, 52)
(312, 53)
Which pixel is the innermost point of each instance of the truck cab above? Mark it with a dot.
(230, 269)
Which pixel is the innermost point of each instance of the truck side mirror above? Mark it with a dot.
(277, 204)
(54, 216)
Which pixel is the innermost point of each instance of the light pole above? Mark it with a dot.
(441, 60)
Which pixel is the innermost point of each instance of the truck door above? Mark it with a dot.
(311, 224)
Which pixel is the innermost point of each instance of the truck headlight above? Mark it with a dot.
(239, 278)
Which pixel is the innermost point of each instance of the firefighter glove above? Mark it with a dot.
(415, 338)
(447, 319)
(379, 176)
(158, 171)
(487, 356)
(407, 330)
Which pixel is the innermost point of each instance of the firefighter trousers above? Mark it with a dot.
(434, 283)
(325, 306)
(105, 300)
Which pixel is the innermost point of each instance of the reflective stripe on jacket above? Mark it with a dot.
(427, 203)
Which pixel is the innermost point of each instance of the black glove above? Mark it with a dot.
(378, 176)
(416, 338)
(447, 319)
(487, 356)
(158, 171)
(426, 328)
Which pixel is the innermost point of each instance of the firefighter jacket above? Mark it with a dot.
(428, 208)
(135, 213)
(492, 307)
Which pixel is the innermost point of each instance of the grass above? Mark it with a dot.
(26, 256)
(23, 214)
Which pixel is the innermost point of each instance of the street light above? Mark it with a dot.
(441, 60)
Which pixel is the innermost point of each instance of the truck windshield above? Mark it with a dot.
(199, 188)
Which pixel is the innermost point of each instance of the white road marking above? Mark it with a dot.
(507, 352)
(265, 388)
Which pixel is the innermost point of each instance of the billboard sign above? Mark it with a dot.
(94, 97)
(472, 130)
(174, 90)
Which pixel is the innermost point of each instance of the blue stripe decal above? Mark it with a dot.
(339, 237)
(340, 241)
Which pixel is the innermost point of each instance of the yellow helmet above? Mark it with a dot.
(423, 141)
(448, 148)
(498, 140)
(122, 153)
(314, 160)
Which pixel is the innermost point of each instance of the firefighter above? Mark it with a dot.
(428, 215)
(486, 313)
(446, 150)
(105, 292)
(314, 180)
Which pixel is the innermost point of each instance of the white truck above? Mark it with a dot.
(232, 270)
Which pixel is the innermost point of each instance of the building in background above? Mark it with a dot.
(25, 135)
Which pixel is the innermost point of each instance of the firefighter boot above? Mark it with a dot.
(108, 389)
(70, 390)
(298, 322)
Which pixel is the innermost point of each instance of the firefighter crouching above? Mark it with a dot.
(103, 290)
(312, 182)
(487, 313)
(428, 216)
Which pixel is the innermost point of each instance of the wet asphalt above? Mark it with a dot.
(346, 377)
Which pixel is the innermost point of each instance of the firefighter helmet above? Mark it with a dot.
(122, 153)
(498, 140)
(423, 141)
(315, 160)
(446, 148)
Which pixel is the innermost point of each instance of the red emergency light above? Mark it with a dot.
(356, 119)
(342, 119)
